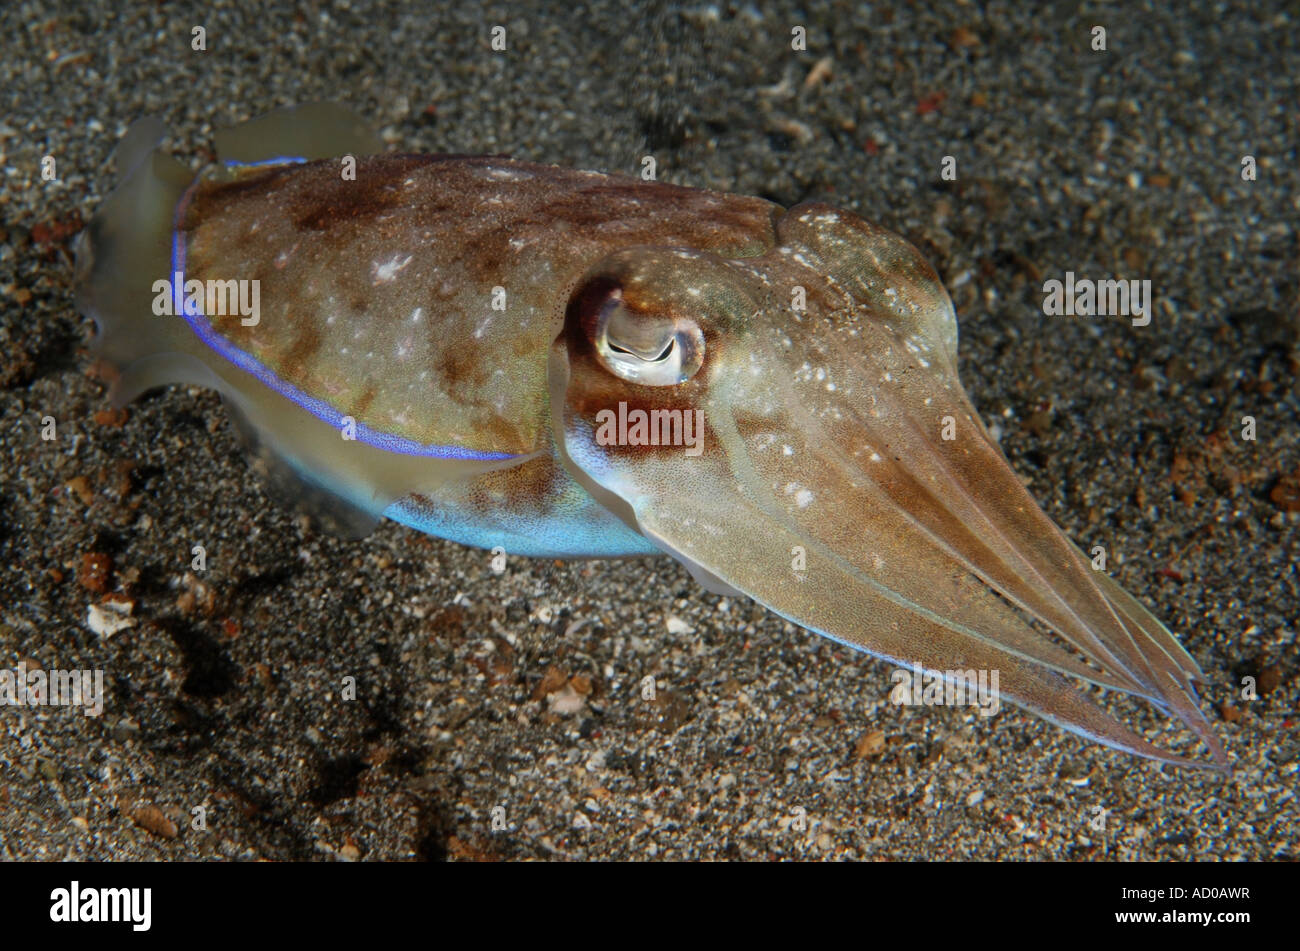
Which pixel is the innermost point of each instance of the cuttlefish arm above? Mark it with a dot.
(824, 487)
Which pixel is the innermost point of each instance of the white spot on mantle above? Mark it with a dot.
(385, 272)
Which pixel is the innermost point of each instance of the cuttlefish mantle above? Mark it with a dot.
(565, 363)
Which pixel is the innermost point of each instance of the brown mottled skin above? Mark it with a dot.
(309, 235)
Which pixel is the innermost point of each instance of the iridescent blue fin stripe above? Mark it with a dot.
(249, 364)
(278, 160)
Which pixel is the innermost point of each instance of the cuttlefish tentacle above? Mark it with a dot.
(477, 323)
(1026, 557)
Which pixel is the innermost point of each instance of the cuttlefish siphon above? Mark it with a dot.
(568, 364)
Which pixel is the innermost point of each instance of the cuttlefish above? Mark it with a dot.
(564, 363)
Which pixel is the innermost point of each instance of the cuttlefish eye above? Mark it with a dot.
(644, 348)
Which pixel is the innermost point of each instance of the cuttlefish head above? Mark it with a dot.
(792, 427)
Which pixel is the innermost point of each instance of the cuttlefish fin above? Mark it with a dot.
(325, 509)
(313, 130)
(120, 254)
(139, 143)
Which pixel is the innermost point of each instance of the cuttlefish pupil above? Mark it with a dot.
(546, 297)
(646, 349)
